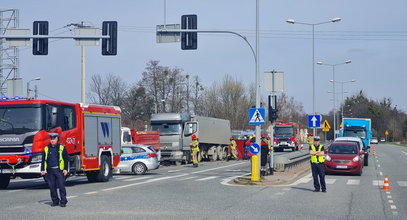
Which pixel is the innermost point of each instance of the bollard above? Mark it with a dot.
(255, 168)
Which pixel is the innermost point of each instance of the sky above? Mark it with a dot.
(372, 34)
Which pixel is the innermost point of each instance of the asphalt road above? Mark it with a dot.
(206, 192)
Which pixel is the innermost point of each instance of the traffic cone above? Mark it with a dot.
(386, 185)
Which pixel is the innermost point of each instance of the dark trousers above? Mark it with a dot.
(318, 170)
(246, 149)
(56, 179)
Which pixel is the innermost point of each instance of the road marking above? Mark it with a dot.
(395, 213)
(377, 182)
(393, 207)
(70, 197)
(216, 168)
(405, 153)
(402, 183)
(187, 178)
(173, 171)
(353, 182)
(305, 179)
(389, 197)
(138, 178)
(140, 183)
(330, 181)
(387, 192)
(378, 165)
(381, 173)
(206, 178)
(89, 193)
(16, 190)
(391, 201)
(122, 177)
(227, 180)
(377, 161)
(279, 193)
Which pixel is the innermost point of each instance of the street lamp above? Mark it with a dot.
(344, 82)
(292, 21)
(333, 87)
(28, 86)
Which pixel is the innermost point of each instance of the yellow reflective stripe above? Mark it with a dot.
(46, 157)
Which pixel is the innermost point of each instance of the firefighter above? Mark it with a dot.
(194, 150)
(264, 154)
(316, 151)
(54, 167)
(310, 139)
(232, 148)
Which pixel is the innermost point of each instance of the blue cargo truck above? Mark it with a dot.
(358, 127)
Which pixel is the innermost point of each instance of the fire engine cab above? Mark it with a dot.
(286, 135)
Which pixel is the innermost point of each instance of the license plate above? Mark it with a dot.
(341, 167)
(283, 143)
(5, 171)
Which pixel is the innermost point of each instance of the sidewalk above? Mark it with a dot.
(279, 178)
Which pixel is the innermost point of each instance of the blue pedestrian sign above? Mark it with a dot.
(314, 121)
(254, 148)
(257, 116)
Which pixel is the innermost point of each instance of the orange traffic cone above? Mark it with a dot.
(386, 185)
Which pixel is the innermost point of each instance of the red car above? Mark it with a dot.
(344, 157)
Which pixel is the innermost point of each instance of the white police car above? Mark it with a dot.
(137, 159)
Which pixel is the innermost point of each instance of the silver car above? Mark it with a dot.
(137, 159)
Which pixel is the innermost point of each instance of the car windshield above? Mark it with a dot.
(354, 133)
(342, 149)
(19, 120)
(283, 131)
(167, 128)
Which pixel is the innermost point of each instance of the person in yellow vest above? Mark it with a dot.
(316, 150)
(54, 167)
(232, 148)
(310, 139)
(194, 150)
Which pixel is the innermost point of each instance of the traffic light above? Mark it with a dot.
(189, 41)
(109, 45)
(273, 114)
(40, 45)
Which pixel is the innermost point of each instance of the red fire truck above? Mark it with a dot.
(286, 135)
(90, 133)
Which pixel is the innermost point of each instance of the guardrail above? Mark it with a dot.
(283, 162)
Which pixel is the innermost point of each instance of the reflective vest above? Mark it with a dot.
(195, 145)
(317, 159)
(61, 158)
(233, 144)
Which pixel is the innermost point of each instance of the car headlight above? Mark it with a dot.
(356, 159)
(36, 158)
(327, 157)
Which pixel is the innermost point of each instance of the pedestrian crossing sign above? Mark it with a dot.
(257, 116)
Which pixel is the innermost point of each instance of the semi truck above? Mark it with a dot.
(175, 136)
(358, 127)
(90, 133)
(286, 136)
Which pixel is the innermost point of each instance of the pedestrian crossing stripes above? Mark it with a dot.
(330, 181)
(355, 182)
(206, 178)
(402, 183)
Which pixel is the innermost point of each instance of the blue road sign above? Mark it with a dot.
(314, 121)
(254, 148)
(257, 116)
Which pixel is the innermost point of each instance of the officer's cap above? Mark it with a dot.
(317, 138)
(53, 135)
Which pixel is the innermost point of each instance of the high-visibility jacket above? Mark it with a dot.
(61, 158)
(317, 159)
(195, 145)
(233, 144)
(310, 140)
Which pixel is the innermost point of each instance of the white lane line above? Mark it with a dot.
(405, 153)
(402, 183)
(378, 165)
(330, 181)
(377, 161)
(387, 192)
(395, 213)
(89, 193)
(393, 207)
(305, 180)
(173, 171)
(187, 178)
(216, 168)
(391, 201)
(206, 178)
(353, 182)
(381, 173)
(16, 190)
(122, 177)
(140, 183)
(138, 178)
(377, 182)
(279, 193)
(389, 197)
(227, 180)
(70, 197)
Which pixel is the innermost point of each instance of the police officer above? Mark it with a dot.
(54, 165)
(316, 150)
(194, 150)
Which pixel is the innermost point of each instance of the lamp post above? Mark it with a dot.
(333, 87)
(28, 86)
(292, 21)
(344, 82)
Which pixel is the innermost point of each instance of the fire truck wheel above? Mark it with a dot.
(105, 171)
(139, 168)
(92, 176)
(4, 181)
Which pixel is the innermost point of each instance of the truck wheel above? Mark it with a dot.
(92, 176)
(4, 181)
(140, 168)
(105, 171)
(220, 152)
(224, 153)
(215, 154)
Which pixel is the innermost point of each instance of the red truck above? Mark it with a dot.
(133, 136)
(90, 133)
(286, 135)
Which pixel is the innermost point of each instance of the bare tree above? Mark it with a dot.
(107, 90)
